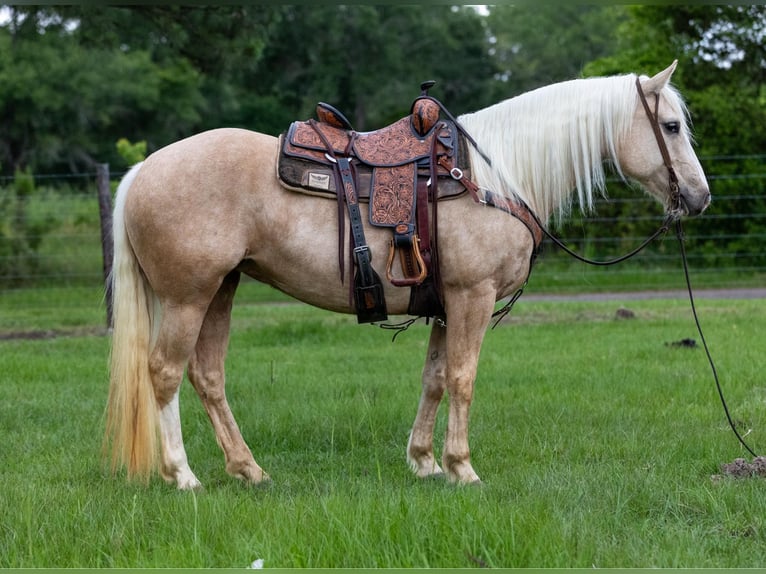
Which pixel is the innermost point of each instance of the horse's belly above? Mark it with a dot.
(308, 269)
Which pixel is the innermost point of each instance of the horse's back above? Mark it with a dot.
(211, 154)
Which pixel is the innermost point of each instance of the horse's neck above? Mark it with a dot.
(546, 145)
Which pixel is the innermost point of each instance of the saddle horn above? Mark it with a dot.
(425, 110)
(425, 86)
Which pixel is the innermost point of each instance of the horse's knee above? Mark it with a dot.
(434, 381)
(433, 389)
(461, 389)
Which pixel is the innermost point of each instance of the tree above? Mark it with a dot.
(369, 61)
(722, 74)
(73, 80)
(540, 45)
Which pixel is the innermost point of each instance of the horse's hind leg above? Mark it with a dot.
(206, 373)
(177, 336)
(420, 450)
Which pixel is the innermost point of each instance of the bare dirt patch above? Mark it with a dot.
(740, 468)
(38, 335)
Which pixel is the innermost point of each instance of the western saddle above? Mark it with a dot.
(399, 169)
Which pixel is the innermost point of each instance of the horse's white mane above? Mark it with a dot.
(548, 142)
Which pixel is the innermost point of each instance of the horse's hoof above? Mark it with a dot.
(190, 485)
(425, 468)
(462, 473)
(184, 479)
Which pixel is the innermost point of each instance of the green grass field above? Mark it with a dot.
(597, 442)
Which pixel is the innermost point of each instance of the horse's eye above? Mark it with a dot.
(672, 127)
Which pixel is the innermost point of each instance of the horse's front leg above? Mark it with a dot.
(467, 320)
(420, 450)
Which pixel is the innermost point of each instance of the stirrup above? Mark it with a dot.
(410, 260)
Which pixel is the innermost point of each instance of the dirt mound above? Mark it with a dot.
(740, 468)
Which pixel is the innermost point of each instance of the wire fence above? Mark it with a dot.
(50, 240)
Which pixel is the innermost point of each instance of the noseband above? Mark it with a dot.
(654, 121)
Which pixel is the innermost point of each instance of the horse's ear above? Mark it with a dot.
(655, 84)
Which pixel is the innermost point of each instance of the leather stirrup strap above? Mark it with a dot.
(366, 290)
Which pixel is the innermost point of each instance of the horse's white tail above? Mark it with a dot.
(132, 419)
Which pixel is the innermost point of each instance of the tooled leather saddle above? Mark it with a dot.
(399, 170)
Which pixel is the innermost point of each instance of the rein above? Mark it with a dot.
(664, 227)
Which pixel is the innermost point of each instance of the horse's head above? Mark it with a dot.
(681, 186)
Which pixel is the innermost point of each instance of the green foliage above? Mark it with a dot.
(131, 153)
(22, 230)
(550, 43)
(63, 101)
(75, 79)
(347, 56)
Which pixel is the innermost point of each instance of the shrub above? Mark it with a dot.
(21, 231)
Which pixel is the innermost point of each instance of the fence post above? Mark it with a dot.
(107, 244)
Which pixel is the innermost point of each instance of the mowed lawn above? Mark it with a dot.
(598, 442)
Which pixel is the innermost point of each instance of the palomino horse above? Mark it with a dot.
(198, 213)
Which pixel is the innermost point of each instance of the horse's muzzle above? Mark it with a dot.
(693, 203)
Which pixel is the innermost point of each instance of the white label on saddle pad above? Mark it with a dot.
(319, 180)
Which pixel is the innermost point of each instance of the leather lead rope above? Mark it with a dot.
(680, 235)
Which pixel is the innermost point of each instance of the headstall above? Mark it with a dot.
(654, 121)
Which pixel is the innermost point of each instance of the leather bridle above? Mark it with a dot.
(675, 200)
(654, 121)
(674, 188)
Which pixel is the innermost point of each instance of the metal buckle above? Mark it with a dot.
(456, 173)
